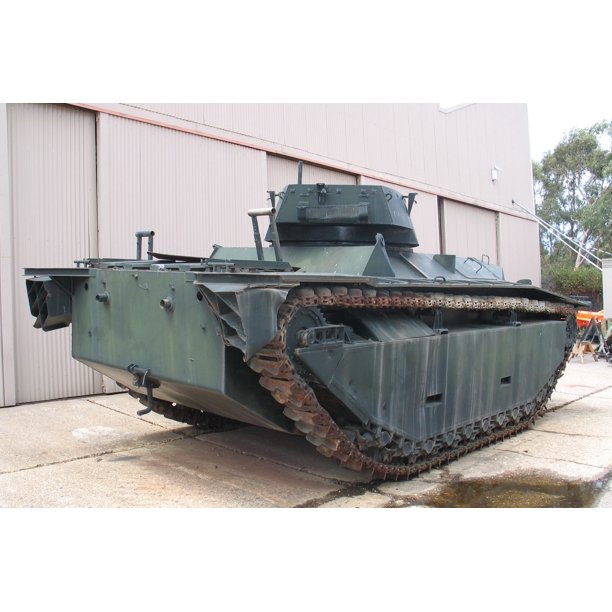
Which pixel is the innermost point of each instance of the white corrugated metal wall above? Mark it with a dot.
(470, 231)
(422, 143)
(7, 333)
(429, 149)
(282, 172)
(508, 241)
(53, 191)
(519, 248)
(194, 190)
(191, 191)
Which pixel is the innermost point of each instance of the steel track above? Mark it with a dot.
(280, 377)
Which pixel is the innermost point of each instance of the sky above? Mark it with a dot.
(548, 122)
(551, 55)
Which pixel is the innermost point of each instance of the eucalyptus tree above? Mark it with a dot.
(573, 191)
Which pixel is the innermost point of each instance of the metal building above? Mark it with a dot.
(77, 180)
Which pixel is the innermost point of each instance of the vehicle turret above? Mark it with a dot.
(344, 215)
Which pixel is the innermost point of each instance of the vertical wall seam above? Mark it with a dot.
(441, 226)
(52, 160)
(498, 238)
(7, 257)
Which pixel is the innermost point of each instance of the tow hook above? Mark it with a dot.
(141, 379)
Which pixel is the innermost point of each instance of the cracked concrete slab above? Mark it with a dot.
(584, 417)
(418, 488)
(96, 452)
(50, 432)
(124, 403)
(581, 450)
(368, 499)
(494, 462)
(180, 473)
(290, 450)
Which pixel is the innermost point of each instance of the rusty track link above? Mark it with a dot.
(279, 376)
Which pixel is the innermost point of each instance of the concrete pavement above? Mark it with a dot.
(96, 452)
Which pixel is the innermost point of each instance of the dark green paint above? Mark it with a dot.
(194, 322)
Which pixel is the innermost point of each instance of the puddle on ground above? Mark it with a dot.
(515, 493)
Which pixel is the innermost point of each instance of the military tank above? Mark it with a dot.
(387, 360)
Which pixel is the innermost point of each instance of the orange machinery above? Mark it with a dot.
(583, 318)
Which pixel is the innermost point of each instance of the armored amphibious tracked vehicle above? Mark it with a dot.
(385, 359)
